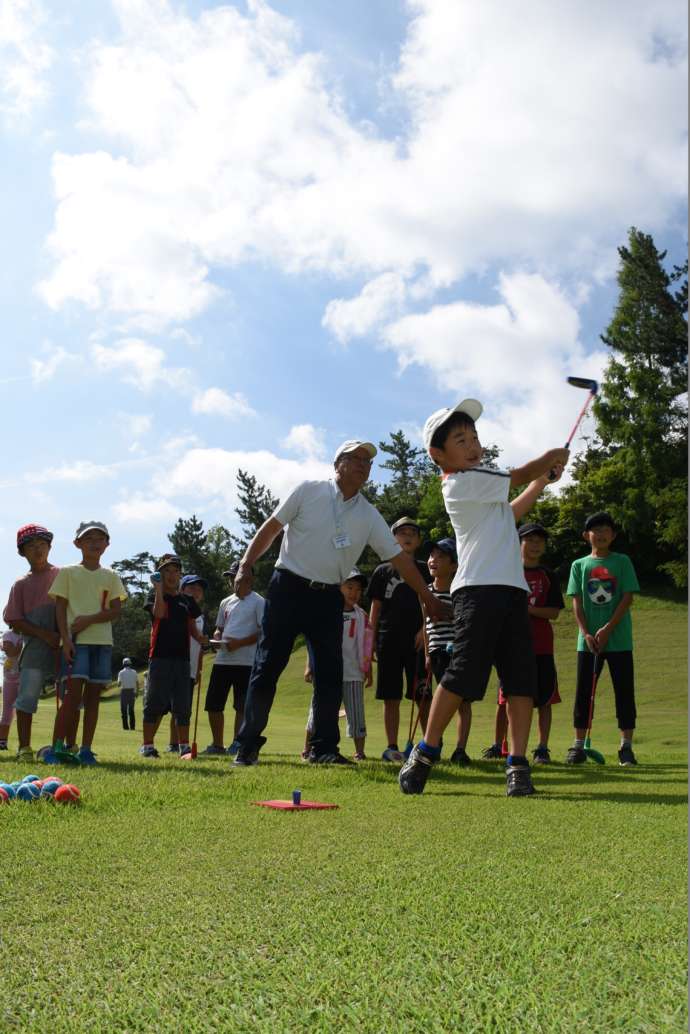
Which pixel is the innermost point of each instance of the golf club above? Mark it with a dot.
(595, 755)
(193, 752)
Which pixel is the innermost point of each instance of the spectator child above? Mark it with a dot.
(31, 613)
(12, 647)
(489, 592)
(194, 586)
(173, 621)
(88, 599)
(438, 638)
(544, 605)
(128, 681)
(602, 586)
(237, 631)
(357, 649)
(396, 621)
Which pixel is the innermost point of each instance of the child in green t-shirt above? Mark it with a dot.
(602, 586)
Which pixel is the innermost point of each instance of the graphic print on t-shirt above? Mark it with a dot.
(601, 585)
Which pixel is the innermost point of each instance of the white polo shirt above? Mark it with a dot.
(315, 516)
(239, 619)
(485, 531)
(127, 678)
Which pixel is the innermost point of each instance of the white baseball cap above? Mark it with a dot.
(471, 407)
(351, 445)
(91, 526)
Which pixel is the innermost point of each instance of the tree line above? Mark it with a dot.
(634, 465)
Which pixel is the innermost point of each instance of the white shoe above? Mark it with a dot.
(395, 756)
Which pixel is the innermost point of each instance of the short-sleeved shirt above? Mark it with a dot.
(401, 614)
(315, 515)
(239, 619)
(484, 524)
(195, 648)
(127, 678)
(88, 592)
(439, 633)
(544, 591)
(600, 583)
(10, 638)
(170, 634)
(29, 601)
(352, 671)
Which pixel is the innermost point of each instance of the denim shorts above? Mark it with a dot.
(31, 683)
(93, 663)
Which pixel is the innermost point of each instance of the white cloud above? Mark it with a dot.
(216, 402)
(532, 139)
(24, 57)
(43, 370)
(306, 440)
(138, 424)
(141, 365)
(514, 356)
(77, 470)
(211, 474)
(378, 300)
(137, 508)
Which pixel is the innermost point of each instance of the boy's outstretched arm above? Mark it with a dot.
(602, 634)
(539, 467)
(524, 502)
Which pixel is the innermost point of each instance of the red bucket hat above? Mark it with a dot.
(32, 531)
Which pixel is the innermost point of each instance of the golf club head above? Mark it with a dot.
(584, 382)
(594, 755)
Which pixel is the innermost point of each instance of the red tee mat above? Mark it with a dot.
(289, 806)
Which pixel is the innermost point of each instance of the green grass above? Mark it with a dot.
(168, 902)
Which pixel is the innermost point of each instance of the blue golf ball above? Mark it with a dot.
(9, 790)
(49, 787)
(16, 784)
(31, 779)
(28, 792)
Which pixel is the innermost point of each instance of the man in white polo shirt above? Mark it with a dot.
(327, 526)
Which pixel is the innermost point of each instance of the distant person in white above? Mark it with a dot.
(128, 681)
(327, 526)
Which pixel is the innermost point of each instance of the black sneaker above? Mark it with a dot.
(247, 756)
(575, 756)
(461, 757)
(541, 756)
(172, 748)
(415, 772)
(492, 753)
(626, 757)
(519, 781)
(332, 758)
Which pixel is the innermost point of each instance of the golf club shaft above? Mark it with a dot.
(579, 419)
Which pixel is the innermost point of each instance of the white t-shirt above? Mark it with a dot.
(352, 671)
(238, 619)
(127, 679)
(195, 648)
(316, 514)
(485, 531)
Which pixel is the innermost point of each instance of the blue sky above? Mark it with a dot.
(236, 234)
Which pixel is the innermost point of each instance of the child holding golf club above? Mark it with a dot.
(194, 586)
(357, 650)
(397, 624)
(601, 586)
(88, 599)
(31, 612)
(238, 626)
(173, 620)
(489, 592)
(438, 638)
(544, 605)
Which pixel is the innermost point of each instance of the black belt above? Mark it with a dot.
(309, 582)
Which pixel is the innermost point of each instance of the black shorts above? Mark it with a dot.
(225, 677)
(491, 629)
(622, 671)
(394, 662)
(168, 689)
(547, 682)
(440, 659)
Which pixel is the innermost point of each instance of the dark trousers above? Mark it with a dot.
(622, 671)
(127, 709)
(293, 608)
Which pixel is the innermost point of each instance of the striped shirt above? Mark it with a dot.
(439, 633)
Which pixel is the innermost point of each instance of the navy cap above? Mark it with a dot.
(602, 517)
(193, 579)
(532, 529)
(447, 546)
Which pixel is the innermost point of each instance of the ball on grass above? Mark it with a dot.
(9, 790)
(28, 792)
(68, 793)
(31, 779)
(50, 786)
(4, 796)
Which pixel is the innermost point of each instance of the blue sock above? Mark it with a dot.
(434, 752)
(517, 759)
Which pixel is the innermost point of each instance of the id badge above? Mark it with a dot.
(342, 541)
